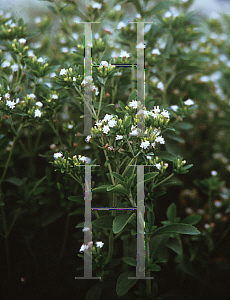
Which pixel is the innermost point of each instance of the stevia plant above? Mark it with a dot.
(42, 112)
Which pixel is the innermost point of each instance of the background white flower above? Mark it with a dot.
(57, 155)
(106, 129)
(112, 123)
(133, 104)
(84, 247)
(119, 137)
(189, 102)
(99, 244)
(145, 144)
(37, 113)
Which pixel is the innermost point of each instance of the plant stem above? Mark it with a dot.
(7, 248)
(148, 280)
(110, 254)
(11, 152)
(164, 180)
(36, 185)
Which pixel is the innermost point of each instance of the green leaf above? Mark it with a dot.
(101, 189)
(183, 126)
(118, 189)
(121, 221)
(177, 228)
(124, 284)
(130, 261)
(192, 220)
(175, 245)
(118, 176)
(154, 268)
(132, 96)
(171, 212)
(15, 180)
(80, 225)
(78, 198)
(95, 292)
(105, 222)
(150, 218)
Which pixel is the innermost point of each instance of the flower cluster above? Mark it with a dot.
(65, 163)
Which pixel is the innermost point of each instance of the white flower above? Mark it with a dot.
(88, 138)
(87, 79)
(117, 7)
(54, 96)
(83, 247)
(214, 173)
(52, 75)
(96, 5)
(165, 114)
(84, 159)
(7, 96)
(174, 107)
(104, 63)
(133, 104)
(99, 123)
(17, 100)
(99, 244)
(149, 157)
(85, 229)
(74, 79)
(156, 110)
(37, 20)
(119, 137)
(155, 52)
(57, 155)
(160, 86)
(39, 104)
(138, 16)
(106, 129)
(5, 64)
(189, 102)
(134, 132)
(75, 36)
(31, 96)
(107, 117)
(217, 203)
(204, 78)
(121, 25)
(168, 14)
(64, 49)
(41, 60)
(70, 126)
(22, 41)
(160, 139)
(114, 54)
(112, 123)
(145, 144)
(124, 54)
(37, 113)
(94, 89)
(140, 46)
(63, 72)
(11, 104)
(158, 166)
(14, 67)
